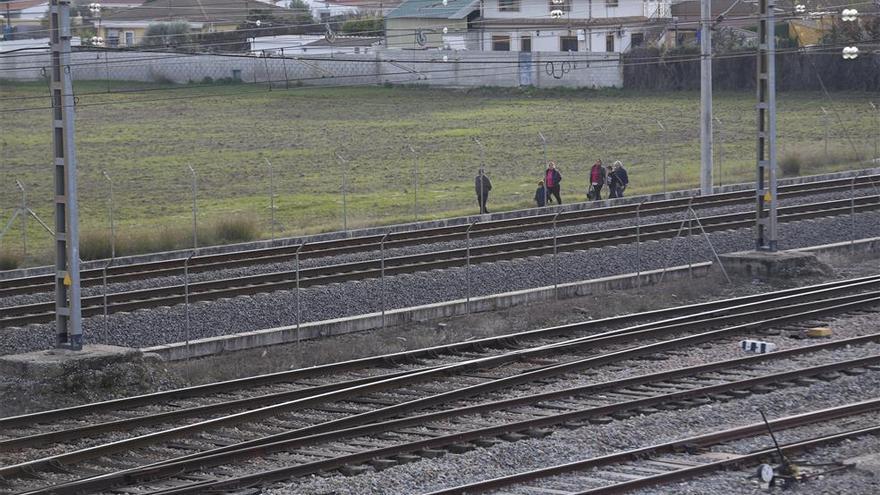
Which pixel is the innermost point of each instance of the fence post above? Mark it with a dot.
(468, 267)
(284, 65)
(271, 196)
(690, 241)
(415, 183)
(298, 304)
(382, 276)
(195, 210)
(639, 244)
(104, 282)
(825, 125)
(186, 297)
(555, 261)
(112, 225)
(877, 132)
(344, 186)
(544, 145)
(665, 151)
(720, 149)
(852, 215)
(24, 209)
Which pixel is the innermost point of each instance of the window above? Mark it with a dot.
(500, 43)
(609, 43)
(129, 38)
(508, 5)
(568, 43)
(563, 5)
(611, 3)
(525, 44)
(637, 39)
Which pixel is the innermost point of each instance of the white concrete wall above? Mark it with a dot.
(580, 9)
(461, 69)
(548, 40)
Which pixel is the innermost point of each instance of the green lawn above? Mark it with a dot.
(145, 141)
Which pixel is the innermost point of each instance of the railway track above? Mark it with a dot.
(203, 263)
(431, 388)
(671, 461)
(308, 277)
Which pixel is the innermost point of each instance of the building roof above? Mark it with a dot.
(581, 23)
(229, 11)
(342, 41)
(434, 9)
(20, 5)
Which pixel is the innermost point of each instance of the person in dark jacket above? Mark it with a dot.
(482, 185)
(597, 180)
(541, 194)
(613, 183)
(552, 178)
(622, 177)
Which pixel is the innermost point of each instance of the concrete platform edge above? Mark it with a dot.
(397, 317)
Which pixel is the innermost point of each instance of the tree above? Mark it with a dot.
(166, 34)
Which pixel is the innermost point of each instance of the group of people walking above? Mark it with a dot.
(614, 177)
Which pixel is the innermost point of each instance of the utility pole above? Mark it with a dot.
(705, 97)
(765, 228)
(68, 315)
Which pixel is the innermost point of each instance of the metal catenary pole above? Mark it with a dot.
(766, 198)
(195, 210)
(68, 312)
(706, 97)
(271, 196)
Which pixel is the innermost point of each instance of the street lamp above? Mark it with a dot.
(95, 9)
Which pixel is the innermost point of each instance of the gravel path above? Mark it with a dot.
(162, 325)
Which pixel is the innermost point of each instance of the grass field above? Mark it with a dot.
(145, 141)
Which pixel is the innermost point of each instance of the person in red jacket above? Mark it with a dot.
(597, 180)
(552, 178)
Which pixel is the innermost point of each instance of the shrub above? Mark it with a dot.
(94, 245)
(790, 165)
(9, 261)
(238, 228)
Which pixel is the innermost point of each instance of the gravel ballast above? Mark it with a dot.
(145, 328)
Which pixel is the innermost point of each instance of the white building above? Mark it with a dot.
(533, 25)
(571, 25)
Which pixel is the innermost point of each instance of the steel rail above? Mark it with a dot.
(212, 290)
(128, 444)
(122, 273)
(698, 310)
(705, 440)
(287, 472)
(521, 378)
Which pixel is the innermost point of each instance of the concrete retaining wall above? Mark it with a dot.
(397, 317)
(461, 68)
